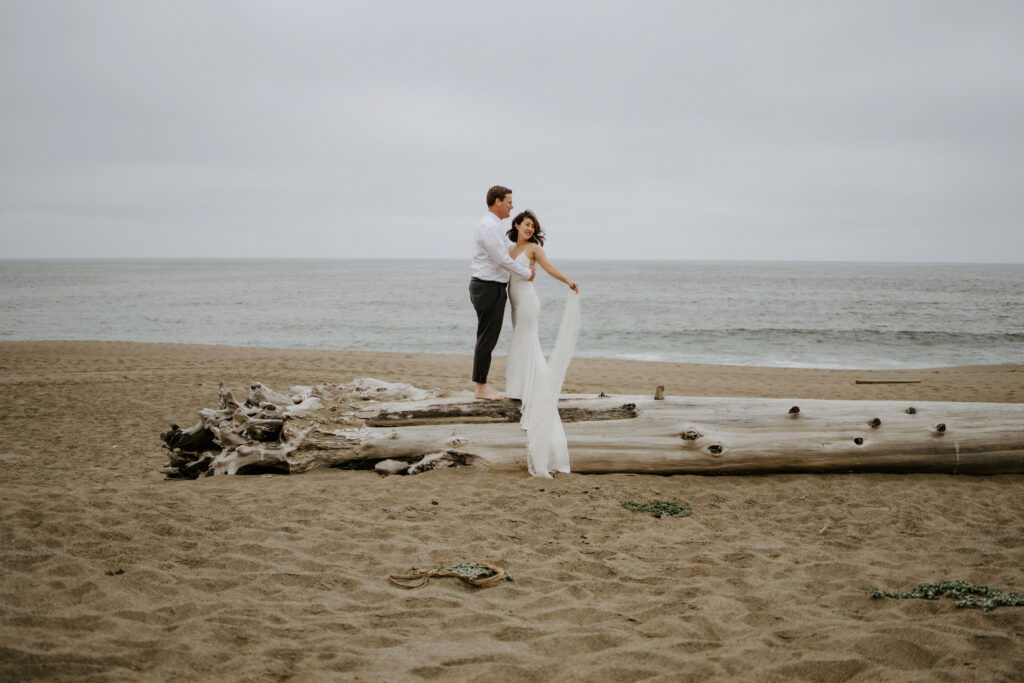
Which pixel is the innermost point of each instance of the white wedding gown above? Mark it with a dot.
(538, 382)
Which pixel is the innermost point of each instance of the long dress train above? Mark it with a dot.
(536, 381)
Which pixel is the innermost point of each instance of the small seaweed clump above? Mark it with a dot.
(659, 508)
(470, 571)
(965, 594)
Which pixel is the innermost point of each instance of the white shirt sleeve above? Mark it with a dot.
(498, 251)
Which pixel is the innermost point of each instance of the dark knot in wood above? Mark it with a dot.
(875, 423)
(941, 427)
(795, 410)
(715, 449)
(263, 430)
(691, 435)
(911, 410)
(859, 441)
(193, 441)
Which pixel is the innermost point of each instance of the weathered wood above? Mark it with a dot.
(487, 411)
(760, 435)
(725, 436)
(670, 436)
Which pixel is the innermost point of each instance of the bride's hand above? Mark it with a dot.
(574, 287)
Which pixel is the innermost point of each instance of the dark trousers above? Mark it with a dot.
(489, 301)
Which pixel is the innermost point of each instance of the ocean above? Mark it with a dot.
(821, 315)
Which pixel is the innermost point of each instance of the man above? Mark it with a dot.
(487, 289)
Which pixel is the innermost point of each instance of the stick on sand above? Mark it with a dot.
(887, 381)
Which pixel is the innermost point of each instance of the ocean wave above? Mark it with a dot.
(796, 315)
(937, 336)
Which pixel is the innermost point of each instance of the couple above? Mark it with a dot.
(504, 269)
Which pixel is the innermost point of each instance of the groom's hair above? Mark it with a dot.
(496, 194)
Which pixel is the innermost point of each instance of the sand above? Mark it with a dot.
(111, 572)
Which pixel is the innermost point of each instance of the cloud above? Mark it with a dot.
(643, 130)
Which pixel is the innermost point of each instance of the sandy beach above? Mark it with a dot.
(111, 572)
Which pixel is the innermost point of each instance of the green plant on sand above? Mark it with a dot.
(470, 571)
(659, 508)
(965, 594)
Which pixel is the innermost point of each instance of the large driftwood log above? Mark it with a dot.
(344, 426)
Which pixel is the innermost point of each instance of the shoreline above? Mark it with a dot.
(289, 349)
(287, 367)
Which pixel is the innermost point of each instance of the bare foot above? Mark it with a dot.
(486, 393)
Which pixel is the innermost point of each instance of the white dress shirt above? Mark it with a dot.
(490, 252)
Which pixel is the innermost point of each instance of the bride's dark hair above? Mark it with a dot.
(538, 235)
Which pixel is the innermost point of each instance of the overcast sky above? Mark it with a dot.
(885, 131)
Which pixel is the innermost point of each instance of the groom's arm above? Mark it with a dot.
(497, 249)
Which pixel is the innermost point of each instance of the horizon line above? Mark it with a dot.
(4, 259)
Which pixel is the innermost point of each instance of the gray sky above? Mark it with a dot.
(890, 131)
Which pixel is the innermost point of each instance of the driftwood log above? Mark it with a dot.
(398, 428)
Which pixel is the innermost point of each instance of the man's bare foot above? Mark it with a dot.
(488, 394)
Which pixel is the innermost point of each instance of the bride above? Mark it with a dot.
(529, 377)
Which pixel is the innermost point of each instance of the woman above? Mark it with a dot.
(536, 382)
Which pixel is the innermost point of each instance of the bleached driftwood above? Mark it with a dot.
(334, 426)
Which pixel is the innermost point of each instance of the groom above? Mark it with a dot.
(490, 273)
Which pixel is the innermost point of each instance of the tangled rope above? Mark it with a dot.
(473, 573)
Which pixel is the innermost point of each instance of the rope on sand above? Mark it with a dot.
(473, 573)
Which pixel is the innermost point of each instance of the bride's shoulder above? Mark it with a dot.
(532, 249)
